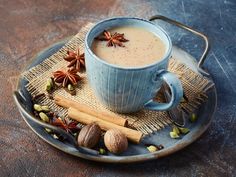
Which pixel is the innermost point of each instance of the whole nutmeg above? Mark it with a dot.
(115, 141)
(89, 135)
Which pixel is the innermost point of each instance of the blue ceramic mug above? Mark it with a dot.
(129, 89)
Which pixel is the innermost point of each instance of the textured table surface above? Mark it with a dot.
(28, 26)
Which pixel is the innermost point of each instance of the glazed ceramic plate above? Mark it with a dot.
(135, 153)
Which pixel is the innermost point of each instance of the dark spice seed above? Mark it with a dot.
(49, 95)
(51, 114)
(160, 147)
(36, 114)
(34, 98)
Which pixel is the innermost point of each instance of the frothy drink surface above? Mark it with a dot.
(143, 48)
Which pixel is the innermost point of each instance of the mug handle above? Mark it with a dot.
(180, 25)
(176, 92)
(174, 89)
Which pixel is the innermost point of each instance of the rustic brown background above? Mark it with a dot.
(28, 26)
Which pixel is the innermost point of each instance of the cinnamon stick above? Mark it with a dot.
(65, 102)
(133, 135)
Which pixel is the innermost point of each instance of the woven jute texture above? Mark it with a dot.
(195, 88)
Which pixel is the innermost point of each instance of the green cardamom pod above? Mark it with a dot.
(193, 117)
(70, 87)
(102, 151)
(45, 108)
(152, 148)
(184, 130)
(48, 130)
(75, 134)
(174, 135)
(55, 136)
(176, 130)
(49, 85)
(37, 107)
(43, 117)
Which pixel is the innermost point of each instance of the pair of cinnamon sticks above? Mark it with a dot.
(105, 120)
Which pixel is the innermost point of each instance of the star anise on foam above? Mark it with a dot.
(76, 59)
(112, 39)
(68, 125)
(66, 77)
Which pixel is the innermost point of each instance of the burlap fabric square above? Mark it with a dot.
(195, 88)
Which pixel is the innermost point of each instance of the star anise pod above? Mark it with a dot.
(68, 126)
(113, 39)
(76, 59)
(66, 77)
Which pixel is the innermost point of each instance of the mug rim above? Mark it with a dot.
(165, 57)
